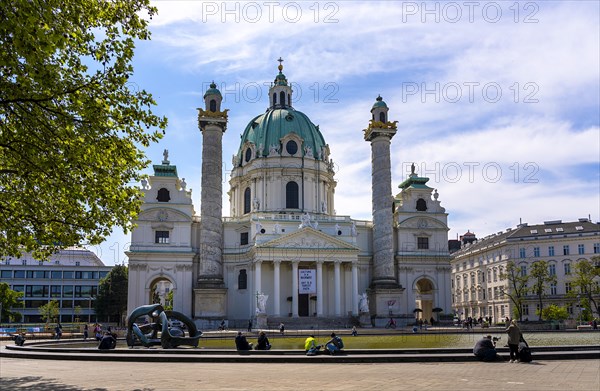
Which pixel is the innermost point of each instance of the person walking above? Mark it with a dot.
(85, 332)
(514, 336)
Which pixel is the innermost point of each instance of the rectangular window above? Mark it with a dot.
(552, 269)
(536, 251)
(550, 251)
(490, 293)
(102, 274)
(6, 274)
(67, 291)
(67, 303)
(36, 291)
(423, 243)
(523, 270)
(55, 291)
(18, 288)
(522, 252)
(243, 238)
(85, 275)
(161, 237)
(567, 267)
(525, 309)
(472, 279)
(566, 249)
(581, 249)
(596, 248)
(35, 303)
(83, 291)
(495, 275)
(56, 275)
(567, 287)
(37, 274)
(570, 309)
(553, 289)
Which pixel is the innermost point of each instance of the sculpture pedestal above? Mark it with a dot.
(365, 319)
(210, 306)
(385, 303)
(261, 321)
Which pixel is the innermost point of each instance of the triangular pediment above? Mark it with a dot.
(309, 238)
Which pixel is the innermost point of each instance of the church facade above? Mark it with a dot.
(283, 251)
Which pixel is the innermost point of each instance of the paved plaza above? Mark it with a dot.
(51, 375)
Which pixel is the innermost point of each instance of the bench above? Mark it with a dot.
(584, 327)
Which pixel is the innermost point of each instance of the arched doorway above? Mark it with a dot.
(161, 292)
(424, 299)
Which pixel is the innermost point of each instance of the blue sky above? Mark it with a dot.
(497, 102)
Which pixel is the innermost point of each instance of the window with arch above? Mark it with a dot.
(243, 279)
(163, 195)
(274, 98)
(282, 97)
(248, 155)
(421, 205)
(213, 105)
(382, 117)
(291, 195)
(289, 100)
(247, 204)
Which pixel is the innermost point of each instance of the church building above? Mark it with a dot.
(282, 254)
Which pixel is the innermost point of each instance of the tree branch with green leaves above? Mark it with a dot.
(72, 125)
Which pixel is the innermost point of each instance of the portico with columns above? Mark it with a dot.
(333, 271)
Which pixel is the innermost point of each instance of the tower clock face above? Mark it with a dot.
(422, 223)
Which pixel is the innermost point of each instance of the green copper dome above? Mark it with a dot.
(212, 90)
(269, 128)
(379, 102)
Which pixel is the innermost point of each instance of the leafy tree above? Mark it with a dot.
(585, 283)
(9, 300)
(554, 312)
(516, 287)
(169, 301)
(49, 311)
(541, 278)
(112, 293)
(71, 123)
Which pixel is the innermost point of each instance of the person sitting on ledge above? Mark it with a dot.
(19, 339)
(485, 350)
(310, 346)
(334, 345)
(241, 343)
(263, 342)
(107, 342)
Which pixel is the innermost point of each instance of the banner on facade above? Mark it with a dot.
(307, 281)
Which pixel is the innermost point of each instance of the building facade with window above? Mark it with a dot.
(283, 244)
(476, 268)
(70, 277)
